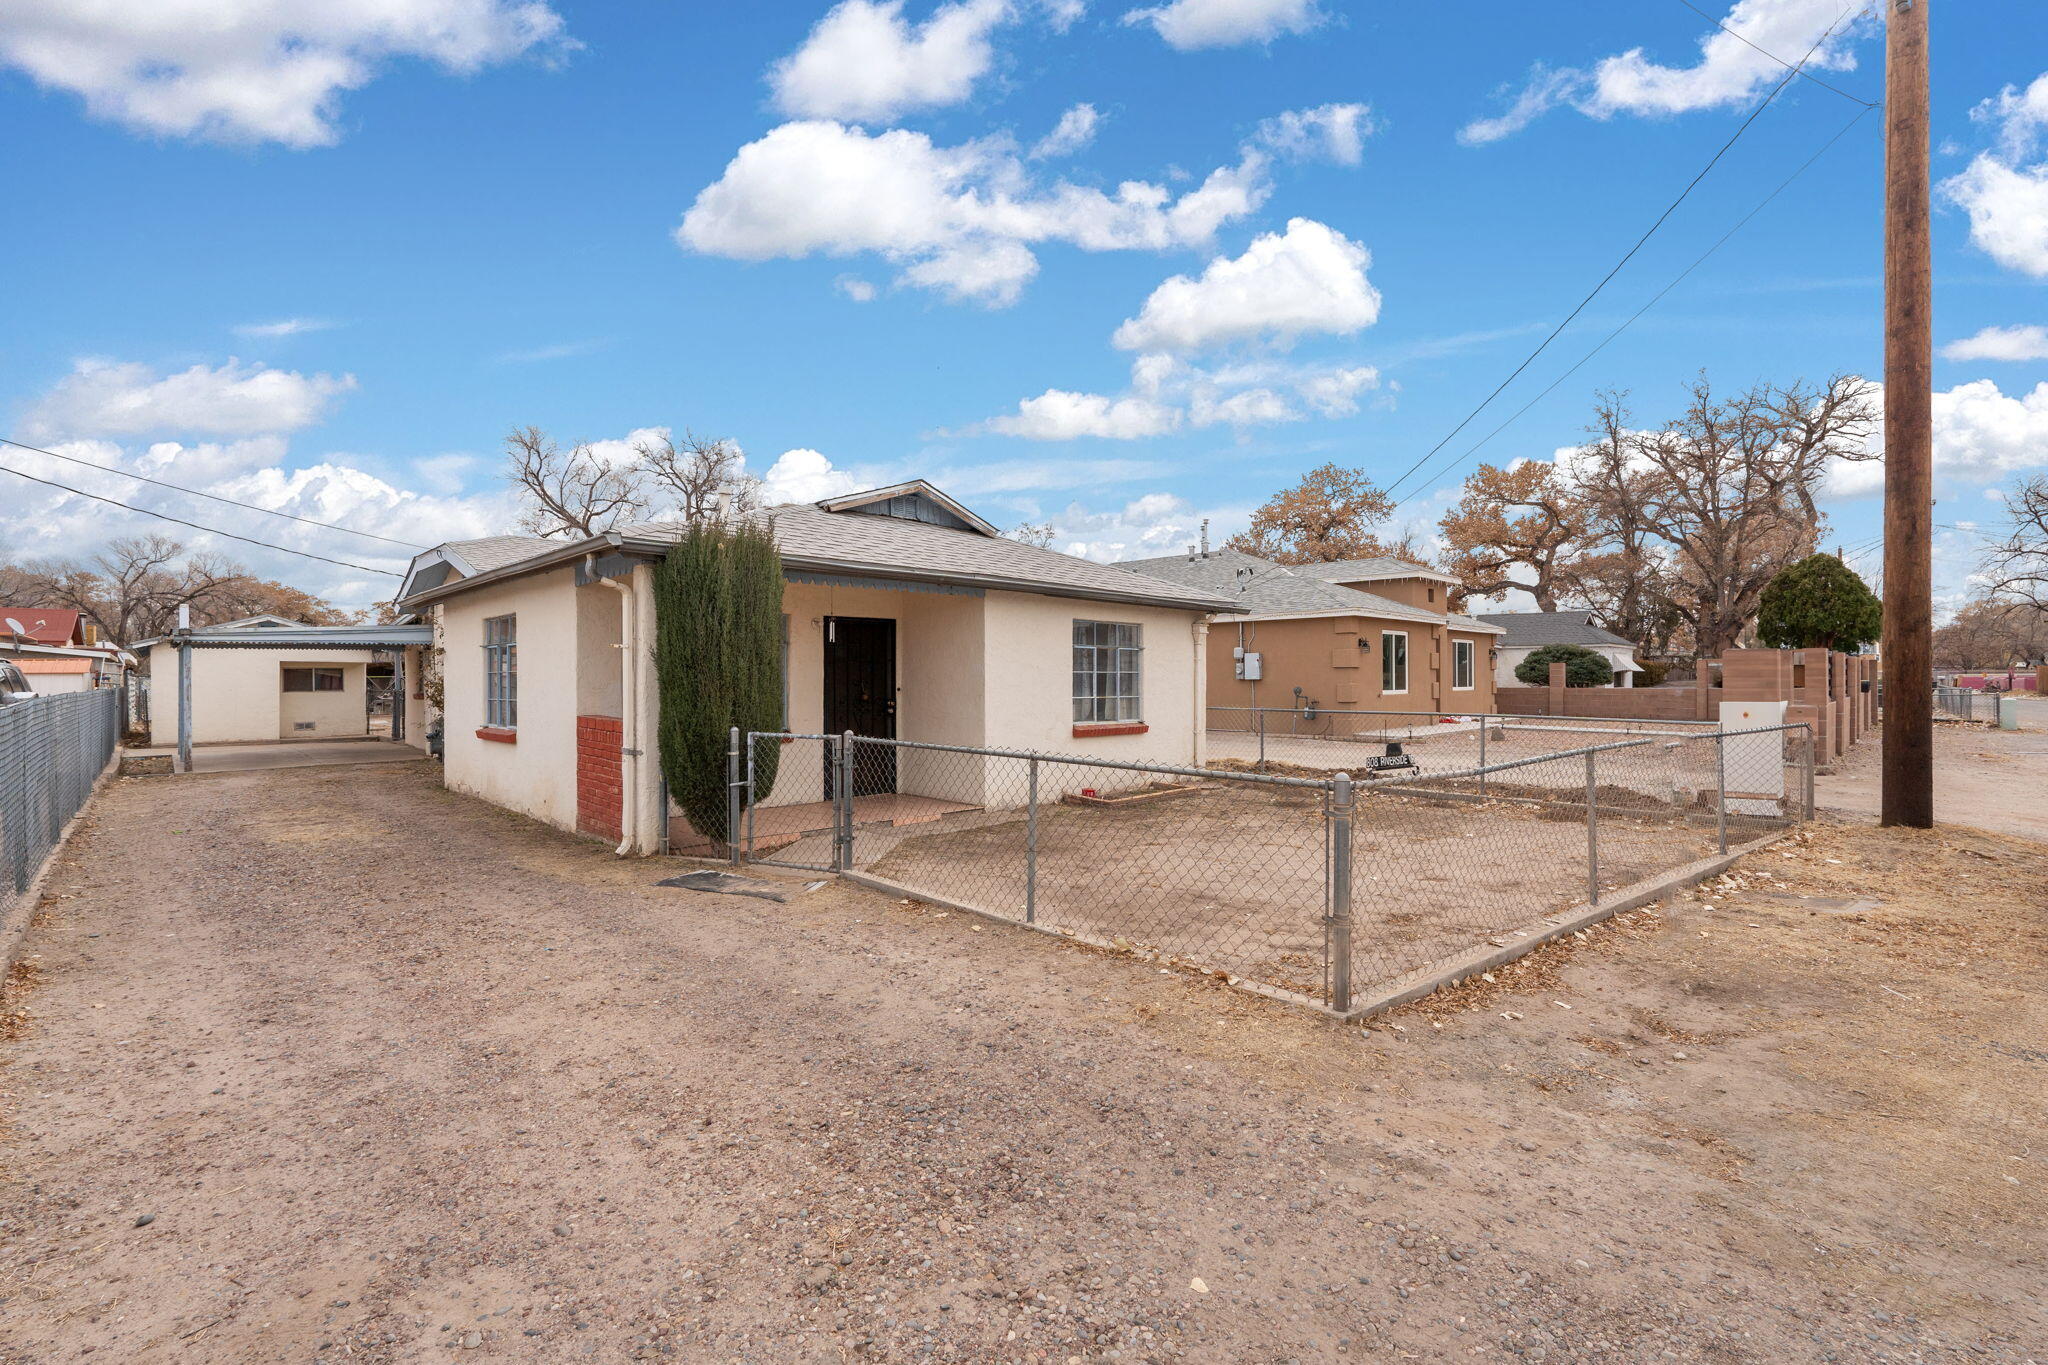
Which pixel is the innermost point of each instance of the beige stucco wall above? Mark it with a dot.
(50, 684)
(238, 695)
(537, 774)
(1321, 656)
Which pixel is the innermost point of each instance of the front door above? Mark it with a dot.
(860, 695)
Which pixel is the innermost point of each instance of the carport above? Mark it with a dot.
(400, 643)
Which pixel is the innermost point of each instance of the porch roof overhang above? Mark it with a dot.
(612, 554)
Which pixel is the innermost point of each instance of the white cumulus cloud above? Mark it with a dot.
(1188, 24)
(805, 475)
(273, 71)
(2005, 193)
(959, 220)
(1058, 415)
(1310, 278)
(1981, 435)
(864, 62)
(2001, 343)
(1729, 71)
(1075, 130)
(1333, 132)
(114, 398)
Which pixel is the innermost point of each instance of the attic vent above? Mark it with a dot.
(303, 724)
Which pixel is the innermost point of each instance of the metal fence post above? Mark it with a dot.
(1340, 816)
(1721, 789)
(732, 798)
(1484, 726)
(1031, 844)
(1592, 833)
(1808, 774)
(842, 858)
(1262, 739)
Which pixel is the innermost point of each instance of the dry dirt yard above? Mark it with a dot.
(329, 1064)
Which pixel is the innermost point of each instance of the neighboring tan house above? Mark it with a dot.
(1357, 635)
(63, 648)
(267, 678)
(905, 616)
(1529, 631)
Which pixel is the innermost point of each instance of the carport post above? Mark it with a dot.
(1340, 809)
(1592, 834)
(1031, 844)
(185, 704)
(1721, 789)
(732, 797)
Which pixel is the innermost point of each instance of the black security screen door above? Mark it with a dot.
(860, 694)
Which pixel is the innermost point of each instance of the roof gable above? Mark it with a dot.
(912, 501)
(1534, 629)
(1264, 588)
(44, 625)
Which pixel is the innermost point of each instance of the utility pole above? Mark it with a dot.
(1908, 756)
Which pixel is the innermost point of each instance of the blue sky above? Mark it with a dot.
(472, 214)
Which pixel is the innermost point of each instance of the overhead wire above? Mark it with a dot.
(1853, 99)
(250, 506)
(210, 530)
(1629, 255)
(1658, 297)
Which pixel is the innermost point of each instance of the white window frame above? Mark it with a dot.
(501, 673)
(1387, 662)
(1465, 661)
(1099, 699)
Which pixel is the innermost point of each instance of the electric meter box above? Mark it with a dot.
(1248, 667)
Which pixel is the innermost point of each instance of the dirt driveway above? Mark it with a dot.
(323, 1065)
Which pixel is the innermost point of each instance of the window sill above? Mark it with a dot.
(1093, 729)
(497, 734)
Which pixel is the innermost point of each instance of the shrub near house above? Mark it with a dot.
(1582, 667)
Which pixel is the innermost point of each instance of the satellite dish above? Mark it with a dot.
(16, 627)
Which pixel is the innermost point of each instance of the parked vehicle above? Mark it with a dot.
(13, 686)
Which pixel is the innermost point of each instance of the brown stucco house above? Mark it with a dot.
(1352, 635)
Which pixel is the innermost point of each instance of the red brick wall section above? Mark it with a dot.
(598, 789)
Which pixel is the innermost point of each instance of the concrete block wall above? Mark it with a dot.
(598, 774)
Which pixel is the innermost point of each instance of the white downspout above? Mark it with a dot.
(629, 709)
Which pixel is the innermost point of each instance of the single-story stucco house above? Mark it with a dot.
(1352, 635)
(905, 616)
(1528, 631)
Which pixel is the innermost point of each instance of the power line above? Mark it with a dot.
(1672, 208)
(1853, 99)
(1678, 279)
(210, 530)
(250, 506)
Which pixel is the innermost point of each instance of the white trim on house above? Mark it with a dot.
(1469, 651)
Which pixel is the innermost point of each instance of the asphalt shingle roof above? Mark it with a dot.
(495, 552)
(1379, 566)
(809, 537)
(1534, 629)
(1267, 589)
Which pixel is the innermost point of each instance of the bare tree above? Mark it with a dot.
(707, 478)
(573, 494)
(133, 589)
(2018, 564)
(1033, 533)
(1992, 633)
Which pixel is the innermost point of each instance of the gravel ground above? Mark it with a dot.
(323, 1065)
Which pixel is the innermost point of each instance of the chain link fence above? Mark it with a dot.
(1962, 703)
(1315, 886)
(1272, 738)
(52, 750)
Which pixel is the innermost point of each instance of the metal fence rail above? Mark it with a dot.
(52, 750)
(1314, 886)
(1350, 740)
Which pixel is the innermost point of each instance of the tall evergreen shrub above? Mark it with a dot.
(718, 661)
